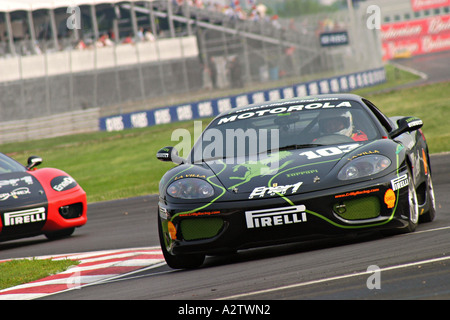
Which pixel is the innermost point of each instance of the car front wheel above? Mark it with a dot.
(56, 235)
(413, 206)
(429, 215)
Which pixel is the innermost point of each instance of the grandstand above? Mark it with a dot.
(30, 27)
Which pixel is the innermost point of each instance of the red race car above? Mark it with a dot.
(38, 201)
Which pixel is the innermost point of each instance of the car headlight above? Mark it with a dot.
(364, 166)
(190, 188)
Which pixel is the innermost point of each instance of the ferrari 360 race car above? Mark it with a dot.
(293, 169)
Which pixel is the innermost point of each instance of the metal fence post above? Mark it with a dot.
(248, 77)
(51, 12)
(12, 48)
(170, 18)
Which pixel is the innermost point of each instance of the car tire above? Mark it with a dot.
(179, 261)
(413, 206)
(429, 215)
(56, 235)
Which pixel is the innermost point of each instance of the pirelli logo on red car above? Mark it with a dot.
(24, 216)
(275, 217)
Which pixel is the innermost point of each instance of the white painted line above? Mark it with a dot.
(429, 230)
(21, 296)
(303, 284)
(421, 74)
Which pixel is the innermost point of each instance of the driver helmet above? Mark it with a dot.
(336, 122)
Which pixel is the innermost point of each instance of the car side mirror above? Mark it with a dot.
(169, 154)
(33, 161)
(406, 124)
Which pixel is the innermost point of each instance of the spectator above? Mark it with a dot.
(148, 36)
(80, 45)
(99, 43)
(241, 15)
(140, 35)
(128, 39)
(198, 4)
(229, 12)
(112, 35)
(275, 21)
(105, 40)
(261, 10)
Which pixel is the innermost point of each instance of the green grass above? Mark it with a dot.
(430, 103)
(20, 271)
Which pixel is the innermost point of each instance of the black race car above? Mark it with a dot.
(293, 169)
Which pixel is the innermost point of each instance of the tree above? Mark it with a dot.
(294, 8)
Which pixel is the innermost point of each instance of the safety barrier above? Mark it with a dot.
(50, 126)
(213, 107)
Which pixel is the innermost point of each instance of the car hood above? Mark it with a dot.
(288, 172)
(20, 189)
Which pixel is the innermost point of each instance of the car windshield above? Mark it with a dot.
(8, 165)
(267, 128)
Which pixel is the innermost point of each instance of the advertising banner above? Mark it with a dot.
(403, 39)
(419, 5)
(330, 39)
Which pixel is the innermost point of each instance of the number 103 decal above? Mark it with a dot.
(331, 151)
